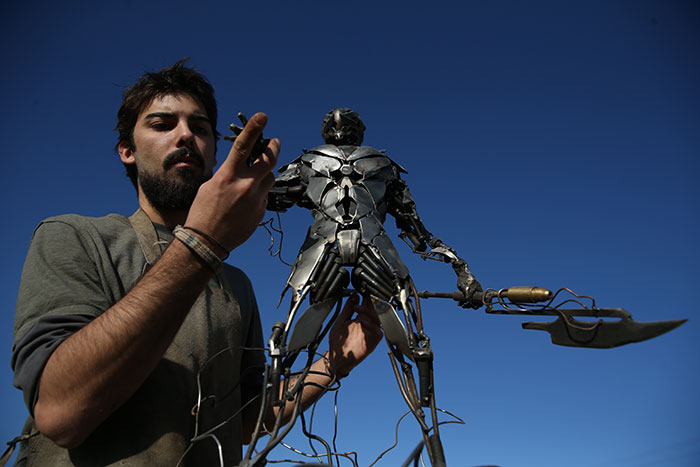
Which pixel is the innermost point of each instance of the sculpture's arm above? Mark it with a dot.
(421, 241)
(288, 190)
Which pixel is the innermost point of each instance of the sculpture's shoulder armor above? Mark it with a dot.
(328, 158)
(323, 159)
(290, 166)
(365, 152)
(354, 153)
(329, 150)
(399, 168)
(289, 172)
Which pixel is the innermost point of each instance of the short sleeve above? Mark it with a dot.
(60, 292)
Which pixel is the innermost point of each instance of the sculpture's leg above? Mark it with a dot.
(406, 339)
(325, 288)
(416, 347)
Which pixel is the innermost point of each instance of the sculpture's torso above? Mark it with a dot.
(347, 183)
(346, 186)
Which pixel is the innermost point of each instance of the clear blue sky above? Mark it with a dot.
(550, 143)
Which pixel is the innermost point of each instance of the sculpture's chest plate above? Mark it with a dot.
(347, 182)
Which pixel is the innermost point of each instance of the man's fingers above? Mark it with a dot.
(367, 310)
(268, 159)
(243, 145)
(370, 327)
(348, 309)
(267, 182)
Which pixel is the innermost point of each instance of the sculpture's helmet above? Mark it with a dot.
(343, 126)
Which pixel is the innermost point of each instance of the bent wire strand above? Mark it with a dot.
(297, 389)
(527, 308)
(417, 455)
(269, 226)
(405, 388)
(295, 393)
(195, 411)
(210, 433)
(405, 380)
(351, 456)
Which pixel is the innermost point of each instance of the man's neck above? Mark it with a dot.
(170, 217)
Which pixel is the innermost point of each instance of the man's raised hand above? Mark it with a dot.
(351, 340)
(231, 204)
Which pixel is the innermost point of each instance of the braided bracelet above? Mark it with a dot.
(199, 248)
(209, 238)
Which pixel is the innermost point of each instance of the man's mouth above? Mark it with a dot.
(183, 157)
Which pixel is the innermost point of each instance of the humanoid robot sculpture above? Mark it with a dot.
(350, 189)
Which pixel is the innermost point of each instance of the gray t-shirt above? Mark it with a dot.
(78, 267)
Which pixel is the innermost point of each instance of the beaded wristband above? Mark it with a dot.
(199, 248)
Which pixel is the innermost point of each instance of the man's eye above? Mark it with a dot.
(160, 126)
(201, 130)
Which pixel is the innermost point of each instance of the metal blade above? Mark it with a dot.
(394, 330)
(602, 334)
(309, 324)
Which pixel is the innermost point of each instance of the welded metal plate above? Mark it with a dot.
(394, 329)
(602, 334)
(309, 324)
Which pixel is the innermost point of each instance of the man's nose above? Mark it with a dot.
(185, 137)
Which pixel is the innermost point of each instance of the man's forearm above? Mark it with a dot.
(98, 368)
(317, 379)
(350, 341)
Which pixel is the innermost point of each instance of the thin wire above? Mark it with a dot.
(527, 308)
(334, 385)
(311, 437)
(269, 226)
(396, 439)
(456, 420)
(346, 455)
(335, 423)
(218, 446)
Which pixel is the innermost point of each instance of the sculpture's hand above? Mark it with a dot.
(351, 340)
(231, 204)
(468, 285)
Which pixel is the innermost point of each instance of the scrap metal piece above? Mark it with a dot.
(394, 330)
(528, 294)
(309, 324)
(601, 334)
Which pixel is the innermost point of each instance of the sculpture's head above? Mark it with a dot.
(343, 126)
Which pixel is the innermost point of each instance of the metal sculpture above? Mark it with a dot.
(350, 189)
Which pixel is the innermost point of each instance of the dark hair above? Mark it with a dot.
(175, 79)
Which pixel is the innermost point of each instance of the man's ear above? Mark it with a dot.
(126, 154)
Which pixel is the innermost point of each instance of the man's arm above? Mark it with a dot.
(99, 367)
(421, 241)
(350, 341)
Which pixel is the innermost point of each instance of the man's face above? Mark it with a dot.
(174, 151)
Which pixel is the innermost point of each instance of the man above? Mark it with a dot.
(128, 342)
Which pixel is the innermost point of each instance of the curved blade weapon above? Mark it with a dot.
(613, 328)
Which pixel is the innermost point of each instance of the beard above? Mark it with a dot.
(175, 190)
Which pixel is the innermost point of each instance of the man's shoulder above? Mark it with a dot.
(66, 231)
(80, 221)
(108, 225)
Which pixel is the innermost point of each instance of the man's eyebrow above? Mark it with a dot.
(199, 117)
(159, 115)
